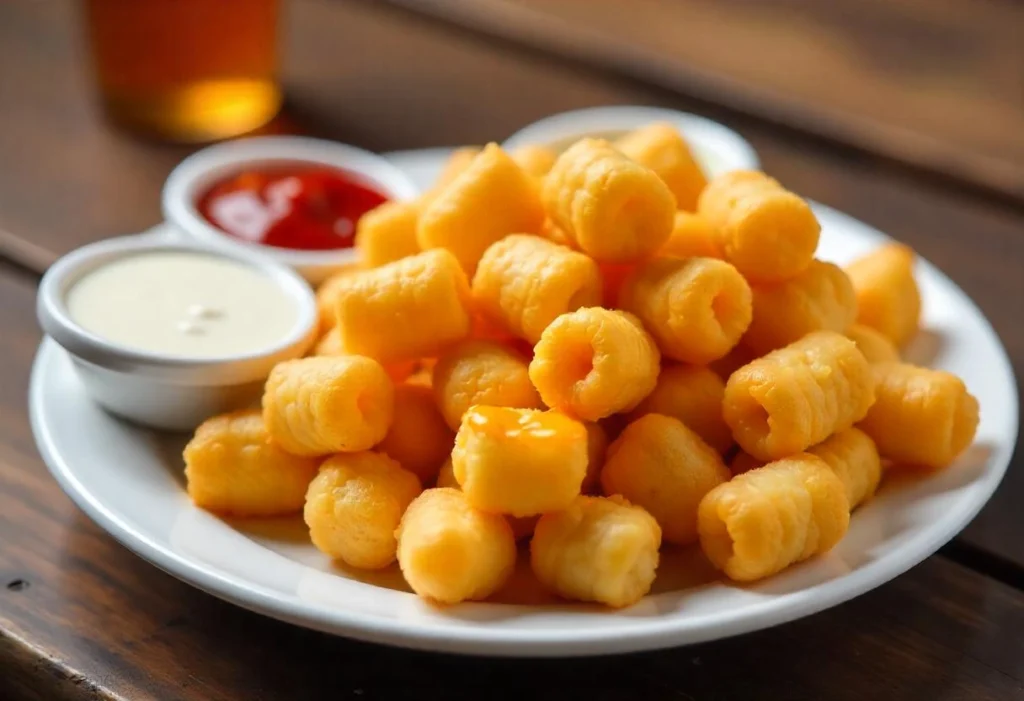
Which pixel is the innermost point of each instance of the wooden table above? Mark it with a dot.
(906, 114)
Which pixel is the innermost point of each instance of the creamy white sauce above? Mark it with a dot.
(182, 304)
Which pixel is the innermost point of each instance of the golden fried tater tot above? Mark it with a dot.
(418, 438)
(489, 200)
(614, 209)
(354, 505)
(852, 455)
(695, 308)
(692, 394)
(663, 466)
(767, 232)
(799, 395)
(599, 549)
(819, 298)
(316, 406)
(524, 283)
(594, 362)
(888, 299)
(663, 149)
(405, 310)
(520, 462)
(450, 552)
(232, 467)
(692, 236)
(921, 417)
(481, 373)
(388, 232)
(765, 520)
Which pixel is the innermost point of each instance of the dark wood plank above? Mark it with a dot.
(356, 73)
(935, 85)
(83, 618)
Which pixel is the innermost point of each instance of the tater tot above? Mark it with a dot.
(354, 505)
(876, 347)
(767, 232)
(764, 520)
(852, 455)
(921, 417)
(819, 298)
(233, 467)
(520, 462)
(327, 297)
(418, 438)
(330, 345)
(534, 160)
(695, 308)
(411, 308)
(692, 394)
(660, 464)
(600, 549)
(521, 527)
(387, 233)
(613, 208)
(888, 299)
(489, 200)
(663, 149)
(594, 362)
(799, 395)
(597, 446)
(450, 552)
(524, 283)
(692, 236)
(481, 373)
(457, 162)
(316, 406)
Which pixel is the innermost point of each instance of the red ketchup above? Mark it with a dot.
(309, 208)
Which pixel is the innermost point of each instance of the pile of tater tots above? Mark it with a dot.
(578, 358)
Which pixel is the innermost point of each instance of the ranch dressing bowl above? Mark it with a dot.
(167, 334)
(190, 184)
(717, 148)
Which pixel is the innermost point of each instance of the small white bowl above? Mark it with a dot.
(163, 391)
(717, 148)
(203, 169)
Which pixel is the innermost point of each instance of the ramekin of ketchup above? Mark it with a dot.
(292, 198)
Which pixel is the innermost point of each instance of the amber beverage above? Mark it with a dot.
(186, 70)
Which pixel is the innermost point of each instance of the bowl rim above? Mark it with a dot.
(202, 169)
(699, 131)
(55, 318)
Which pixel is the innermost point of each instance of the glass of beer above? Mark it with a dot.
(186, 70)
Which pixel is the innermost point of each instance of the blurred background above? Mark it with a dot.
(935, 83)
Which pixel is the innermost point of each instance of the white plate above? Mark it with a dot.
(130, 482)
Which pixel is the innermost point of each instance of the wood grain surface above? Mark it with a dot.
(934, 84)
(81, 617)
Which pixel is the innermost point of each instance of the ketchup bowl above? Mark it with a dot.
(295, 199)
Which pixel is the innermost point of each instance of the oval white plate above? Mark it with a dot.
(130, 482)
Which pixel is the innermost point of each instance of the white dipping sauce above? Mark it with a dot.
(182, 304)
